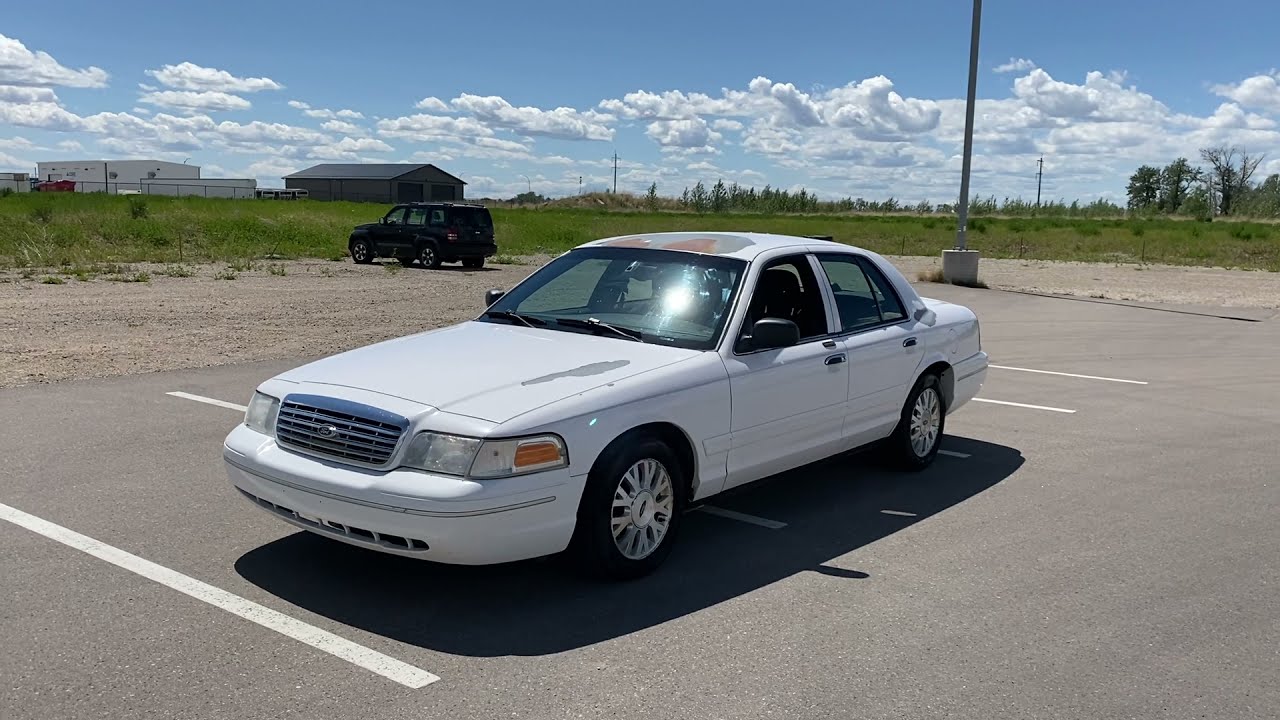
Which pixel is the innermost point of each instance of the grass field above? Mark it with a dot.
(82, 230)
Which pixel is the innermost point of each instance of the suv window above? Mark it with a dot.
(417, 216)
(396, 216)
(471, 217)
(859, 302)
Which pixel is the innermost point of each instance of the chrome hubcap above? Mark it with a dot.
(643, 504)
(926, 419)
(427, 256)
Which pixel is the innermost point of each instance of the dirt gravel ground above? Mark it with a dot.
(101, 328)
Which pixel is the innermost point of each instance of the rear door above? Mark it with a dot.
(884, 353)
(474, 229)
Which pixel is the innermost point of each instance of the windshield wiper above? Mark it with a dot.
(529, 320)
(592, 323)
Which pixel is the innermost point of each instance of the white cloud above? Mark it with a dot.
(189, 76)
(1015, 65)
(1259, 91)
(342, 126)
(564, 123)
(726, 125)
(349, 114)
(70, 145)
(24, 95)
(689, 133)
(423, 128)
(189, 101)
(20, 66)
(432, 104)
(17, 142)
(298, 105)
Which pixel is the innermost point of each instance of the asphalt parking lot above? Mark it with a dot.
(1099, 542)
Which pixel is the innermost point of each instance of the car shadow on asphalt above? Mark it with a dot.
(540, 607)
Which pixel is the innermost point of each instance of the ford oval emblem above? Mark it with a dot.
(327, 431)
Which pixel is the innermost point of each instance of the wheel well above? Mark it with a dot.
(675, 438)
(946, 375)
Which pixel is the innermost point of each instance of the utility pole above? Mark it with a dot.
(1039, 175)
(579, 184)
(615, 173)
(961, 264)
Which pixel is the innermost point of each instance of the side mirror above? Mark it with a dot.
(493, 296)
(382, 220)
(771, 333)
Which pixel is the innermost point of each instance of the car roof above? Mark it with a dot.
(741, 245)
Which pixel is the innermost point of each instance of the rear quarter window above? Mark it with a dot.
(472, 217)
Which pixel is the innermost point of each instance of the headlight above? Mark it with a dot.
(436, 452)
(472, 457)
(261, 414)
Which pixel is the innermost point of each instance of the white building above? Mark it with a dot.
(201, 187)
(114, 175)
(17, 182)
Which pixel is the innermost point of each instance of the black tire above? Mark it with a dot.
(428, 255)
(361, 251)
(593, 547)
(902, 452)
(473, 263)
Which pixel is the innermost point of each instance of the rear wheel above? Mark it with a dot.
(361, 251)
(915, 442)
(473, 263)
(630, 511)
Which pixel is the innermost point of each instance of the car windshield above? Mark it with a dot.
(662, 297)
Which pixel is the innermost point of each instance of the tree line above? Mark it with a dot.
(722, 198)
(1223, 187)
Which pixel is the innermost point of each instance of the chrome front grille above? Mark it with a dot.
(345, 431)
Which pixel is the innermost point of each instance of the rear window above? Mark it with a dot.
(472, 217)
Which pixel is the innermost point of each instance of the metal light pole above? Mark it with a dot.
(526, 179)
(962, 264)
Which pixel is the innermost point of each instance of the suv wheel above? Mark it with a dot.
(473, 263)
(361, 251)
(428, 256)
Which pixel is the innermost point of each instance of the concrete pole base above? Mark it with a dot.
(960, 266)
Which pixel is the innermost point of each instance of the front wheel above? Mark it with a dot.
(630, 511)
(915, 442)
(428, 256)
(361, 251)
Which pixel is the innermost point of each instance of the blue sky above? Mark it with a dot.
(852, 98)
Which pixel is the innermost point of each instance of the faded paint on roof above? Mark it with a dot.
(741, 245)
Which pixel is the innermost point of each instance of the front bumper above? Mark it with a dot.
(405, 512)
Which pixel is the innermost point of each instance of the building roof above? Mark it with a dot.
(365, 171)
(741, 245)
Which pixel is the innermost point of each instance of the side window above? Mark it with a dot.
(417, 216)
(863, 295)
(890, 305)
(437, 217)
(396, 216)
(787, 288)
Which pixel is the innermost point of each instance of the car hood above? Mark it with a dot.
(489, 371)
(365, 226)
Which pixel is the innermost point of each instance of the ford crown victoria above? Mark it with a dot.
(587, 407)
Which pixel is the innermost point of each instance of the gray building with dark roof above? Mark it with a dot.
(380, 183)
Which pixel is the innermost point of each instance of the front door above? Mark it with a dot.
(884, 352)
(387, 234)
(788, 404)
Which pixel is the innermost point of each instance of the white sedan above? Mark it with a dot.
(591, 404)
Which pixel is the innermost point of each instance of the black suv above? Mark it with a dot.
(429, 232)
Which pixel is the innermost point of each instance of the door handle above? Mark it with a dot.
(829, 344)
(909, 342)
(834, 359)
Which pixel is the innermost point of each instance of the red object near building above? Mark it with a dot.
(57, 186)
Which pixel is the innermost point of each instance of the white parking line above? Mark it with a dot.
(1023, 405)
(742, 517)
(1067, 374)
(208, 401)
(898, 512)
(954, 454)
(339, 647)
